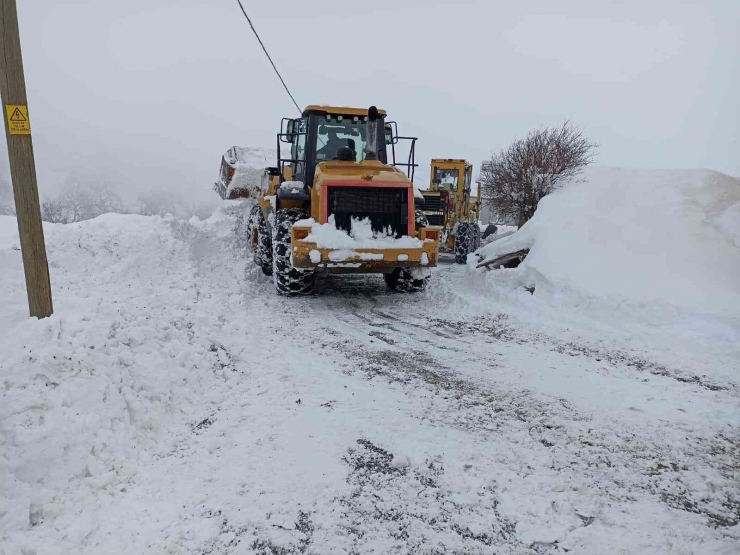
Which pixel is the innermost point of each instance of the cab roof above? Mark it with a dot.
(450, 161)
(338, 110)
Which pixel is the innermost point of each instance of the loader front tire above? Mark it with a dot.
(259, 241)
(466, 241)
(288, 279)
(403, 281)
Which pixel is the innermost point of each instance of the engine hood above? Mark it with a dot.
(373, 172)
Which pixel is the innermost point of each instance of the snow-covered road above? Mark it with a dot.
(175, 404)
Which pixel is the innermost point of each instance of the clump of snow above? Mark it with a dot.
(420, 272)
(361, 237)
(403, 257)
(341, 255)
(670, 237)
(292, 187)
(400, 461)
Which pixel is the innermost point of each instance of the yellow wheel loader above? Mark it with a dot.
(335, 204)
(449, 205)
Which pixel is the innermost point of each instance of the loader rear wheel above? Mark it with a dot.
(259, 240)
(465, 241)
(288, 279)
(403, 281)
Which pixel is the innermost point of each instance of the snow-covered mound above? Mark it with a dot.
(636, 236)
(107, 370)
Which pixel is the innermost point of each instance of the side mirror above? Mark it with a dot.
(287, 130)
(391, 133)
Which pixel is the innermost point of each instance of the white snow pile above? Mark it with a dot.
(636, 237)
(249, 165)
(362, 236)
(85, 393)
(292, 187)
(501, 232)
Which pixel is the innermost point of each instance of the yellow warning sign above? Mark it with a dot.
(18, 122)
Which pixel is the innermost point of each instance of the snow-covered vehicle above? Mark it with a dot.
(448, 203)
(336, 204)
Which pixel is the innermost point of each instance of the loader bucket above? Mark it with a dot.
(239, 175)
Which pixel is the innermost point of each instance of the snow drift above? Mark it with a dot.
(636, 236)
(85, 393)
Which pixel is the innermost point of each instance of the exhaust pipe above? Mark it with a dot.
(371, 149)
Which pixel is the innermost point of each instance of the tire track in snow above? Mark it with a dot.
(546, 423)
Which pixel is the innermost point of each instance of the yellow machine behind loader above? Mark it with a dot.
(448, 204)
(336, 204)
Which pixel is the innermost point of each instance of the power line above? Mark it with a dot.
(268, 56)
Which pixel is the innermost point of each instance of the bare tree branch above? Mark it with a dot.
(517, 178)
(78, 202)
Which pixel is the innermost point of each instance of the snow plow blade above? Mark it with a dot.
(307, 255)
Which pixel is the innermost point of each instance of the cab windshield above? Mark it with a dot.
(334, 134)
(446, 179)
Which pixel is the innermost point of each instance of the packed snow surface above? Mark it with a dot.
(327, 236)
(669, 237)
(175, 404)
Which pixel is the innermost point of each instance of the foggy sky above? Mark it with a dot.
(149, 93)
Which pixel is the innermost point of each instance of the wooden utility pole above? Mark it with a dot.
(22, 166)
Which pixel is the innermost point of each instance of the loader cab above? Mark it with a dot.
(324, 134)
(451, 175)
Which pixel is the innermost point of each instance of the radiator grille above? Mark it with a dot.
(433, 209)
(433, 203)
(386, 207)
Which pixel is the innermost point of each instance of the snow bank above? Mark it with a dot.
(132, 348)
(327, 236)
(671, 237)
